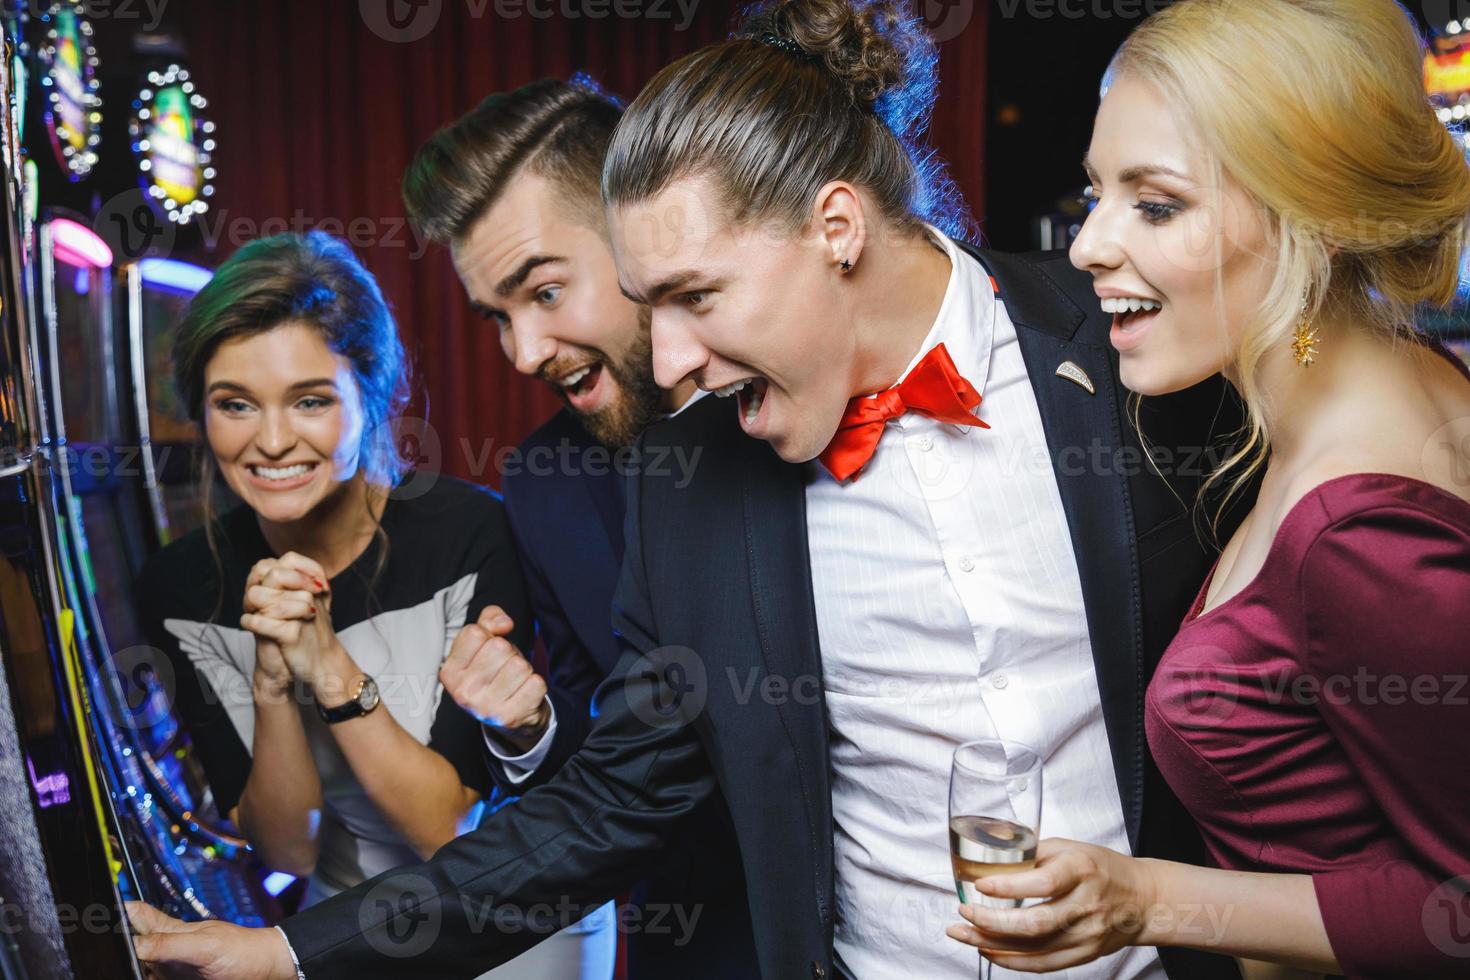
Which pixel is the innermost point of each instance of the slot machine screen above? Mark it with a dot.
(164, 303)
(85, 357)
(160, 292)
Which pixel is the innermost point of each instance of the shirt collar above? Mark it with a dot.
(965, 324)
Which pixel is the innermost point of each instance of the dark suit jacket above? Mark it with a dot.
(716, 589)
(565, 501)
(564, 496)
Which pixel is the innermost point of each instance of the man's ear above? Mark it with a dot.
(841, 224)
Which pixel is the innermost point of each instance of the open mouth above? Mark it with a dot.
(583, 388)
(1131, 313)
(750, 395)
(281, 477)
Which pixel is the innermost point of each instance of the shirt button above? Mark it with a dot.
(967, 564)
(925, 443)
(1000, 681)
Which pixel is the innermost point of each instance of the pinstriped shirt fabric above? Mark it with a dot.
(949, 608)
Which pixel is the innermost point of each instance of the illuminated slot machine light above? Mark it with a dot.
(277, 882)
(174, 145)
(77, 245)
(71, 85)
(52, 789)
(172, 274)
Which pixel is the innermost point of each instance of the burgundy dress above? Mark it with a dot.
(1318, 722)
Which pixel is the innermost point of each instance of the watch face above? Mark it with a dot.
(368, 696)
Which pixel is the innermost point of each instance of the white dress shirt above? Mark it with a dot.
(949, 609)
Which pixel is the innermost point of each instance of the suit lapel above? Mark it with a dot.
(603, 486)
(774, 502)
(606, 497)
(1083, 433)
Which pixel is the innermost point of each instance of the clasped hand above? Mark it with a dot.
(288, 607)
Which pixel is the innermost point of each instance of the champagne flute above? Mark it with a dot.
(994, 817)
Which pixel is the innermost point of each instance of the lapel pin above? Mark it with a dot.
(1076, 375)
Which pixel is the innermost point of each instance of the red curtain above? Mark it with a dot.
(320, 104)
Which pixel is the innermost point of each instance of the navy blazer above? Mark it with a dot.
(564, 496)
(716, 590)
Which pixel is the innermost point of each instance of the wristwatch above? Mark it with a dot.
(365, 700)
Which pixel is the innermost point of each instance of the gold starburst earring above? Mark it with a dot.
(1304, 344)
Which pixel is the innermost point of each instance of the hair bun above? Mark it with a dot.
(880, 52)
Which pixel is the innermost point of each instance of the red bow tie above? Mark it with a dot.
(933, 388)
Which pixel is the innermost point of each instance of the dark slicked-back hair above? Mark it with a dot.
(805, 92)
(554, 128)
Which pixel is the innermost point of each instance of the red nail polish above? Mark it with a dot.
(320, 585)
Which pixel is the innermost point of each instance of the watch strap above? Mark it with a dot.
(349, 709)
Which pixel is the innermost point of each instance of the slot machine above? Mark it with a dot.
(103, 799)
(181, 857)
(59, 868)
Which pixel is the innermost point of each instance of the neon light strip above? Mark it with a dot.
(173, 274)
(71, 659)
(277, 882)
(52, 789)
(78, 245)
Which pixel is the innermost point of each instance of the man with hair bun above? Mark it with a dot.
(846, 589)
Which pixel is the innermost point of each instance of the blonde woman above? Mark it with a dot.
(1274, 198)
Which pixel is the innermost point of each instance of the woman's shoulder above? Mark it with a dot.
(192, 551)
(445, 516)
(1365, 506)
(437, 498)
(1344, 525)
(190, 566)
(1378, 560)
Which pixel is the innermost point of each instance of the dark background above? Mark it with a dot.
(320, 104)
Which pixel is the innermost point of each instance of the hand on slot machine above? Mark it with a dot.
(289, 609)
(212, 950)
(492, 680)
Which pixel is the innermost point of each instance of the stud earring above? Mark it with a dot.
(846, 266)
(1304, 343)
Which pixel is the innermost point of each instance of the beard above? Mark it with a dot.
(639, 400)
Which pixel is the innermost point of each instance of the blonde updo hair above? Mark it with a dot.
(1317, 110)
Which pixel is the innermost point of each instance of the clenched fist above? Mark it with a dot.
(492, 680)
